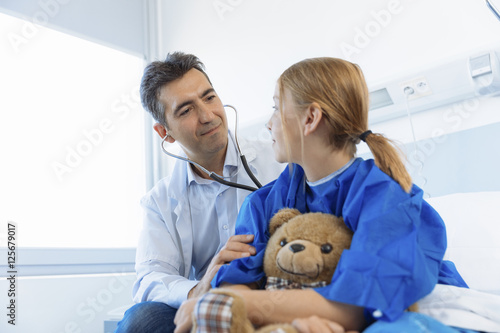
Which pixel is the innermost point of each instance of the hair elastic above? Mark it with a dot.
(363, 136)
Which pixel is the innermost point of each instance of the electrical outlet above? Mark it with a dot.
(416, 88)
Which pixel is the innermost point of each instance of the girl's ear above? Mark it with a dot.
(162, 131)
(313, 117)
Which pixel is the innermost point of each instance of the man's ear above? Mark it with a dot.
(314, 114)
(162, 131)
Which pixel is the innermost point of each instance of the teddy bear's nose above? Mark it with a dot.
(297, 248)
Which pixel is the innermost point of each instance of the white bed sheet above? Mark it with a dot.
(473, 230)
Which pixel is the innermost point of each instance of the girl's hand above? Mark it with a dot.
(315, 324)
(183, 318)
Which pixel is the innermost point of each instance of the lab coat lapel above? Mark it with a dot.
(183, 224)
(185, 230)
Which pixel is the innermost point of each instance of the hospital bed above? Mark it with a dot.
(473, 231)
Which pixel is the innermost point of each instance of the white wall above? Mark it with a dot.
(245, 45)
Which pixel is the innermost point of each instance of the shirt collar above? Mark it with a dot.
(230, 164)
(332, 175)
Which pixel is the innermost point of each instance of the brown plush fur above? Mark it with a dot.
(305, 248)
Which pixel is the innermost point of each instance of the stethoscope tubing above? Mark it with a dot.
(214, 175)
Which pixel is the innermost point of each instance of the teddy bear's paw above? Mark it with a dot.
(413, 307)
(221, 313)
(277, 328)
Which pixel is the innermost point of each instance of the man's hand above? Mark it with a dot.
(236, 247)
(183, 317)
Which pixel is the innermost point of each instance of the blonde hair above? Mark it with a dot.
(339, 88)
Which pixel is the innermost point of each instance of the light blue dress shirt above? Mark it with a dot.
(188, 219)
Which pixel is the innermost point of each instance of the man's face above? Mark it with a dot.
(195, 116)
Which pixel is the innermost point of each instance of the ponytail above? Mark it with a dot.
(387, 158)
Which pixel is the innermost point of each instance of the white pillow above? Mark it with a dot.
(473, 229)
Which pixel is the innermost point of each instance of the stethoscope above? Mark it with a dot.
(212, 174)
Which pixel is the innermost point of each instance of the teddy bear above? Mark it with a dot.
(302, 252)
(304, 249)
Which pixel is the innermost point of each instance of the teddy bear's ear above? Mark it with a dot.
(281, 217)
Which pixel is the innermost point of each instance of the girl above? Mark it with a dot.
(321, 113)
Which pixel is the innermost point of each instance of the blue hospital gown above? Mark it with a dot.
(396, 254)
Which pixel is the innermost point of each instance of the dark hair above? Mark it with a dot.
(159, 73)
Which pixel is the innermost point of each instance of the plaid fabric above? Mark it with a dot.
(213, 313)
(276, 283)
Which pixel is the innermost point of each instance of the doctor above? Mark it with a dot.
(189, 219)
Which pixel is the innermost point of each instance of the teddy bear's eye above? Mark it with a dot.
(283, 242)
(326, 248)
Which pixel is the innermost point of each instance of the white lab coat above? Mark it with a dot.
(164, 253)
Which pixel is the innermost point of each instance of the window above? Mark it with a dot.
(72, 170)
